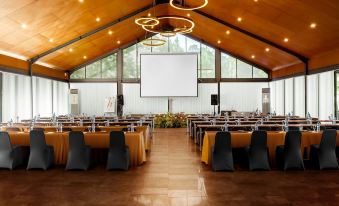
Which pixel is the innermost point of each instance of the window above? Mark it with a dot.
(78, 74)
(207, 69)
(228, 66)
(258, 73)
(109, 66)
(130, 63)
(94, 70)
(244, 70)
(105, 68)
(160, 49)
(177, 44)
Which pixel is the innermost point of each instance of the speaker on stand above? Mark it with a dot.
(214, 101)
(120, 104)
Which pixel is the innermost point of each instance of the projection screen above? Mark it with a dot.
(169, 75)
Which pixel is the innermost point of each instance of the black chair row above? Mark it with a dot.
(288, 156)
(79, 154)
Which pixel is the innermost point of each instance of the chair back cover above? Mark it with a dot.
(37, 139)
(259, 139)
(328, 140)
(76, 139)
(117, 140)
(5, 143)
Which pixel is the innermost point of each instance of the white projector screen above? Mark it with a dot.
(169, 75)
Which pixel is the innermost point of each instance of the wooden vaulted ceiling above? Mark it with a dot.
(51, 23)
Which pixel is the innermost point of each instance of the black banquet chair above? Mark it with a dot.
(258, 151)
(41, 155)
(118, 154)
(79, 154)
(289, 156)
(221, 156)
(323, 155)
(10, 156)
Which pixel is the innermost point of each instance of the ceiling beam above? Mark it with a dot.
(90, 33)
(254, 36)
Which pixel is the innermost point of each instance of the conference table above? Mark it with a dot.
(100, 140)
(243, 139)
(146, 130)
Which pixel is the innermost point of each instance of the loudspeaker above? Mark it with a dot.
(120, 99)
(214, 99)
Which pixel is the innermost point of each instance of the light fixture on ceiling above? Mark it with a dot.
(239, 19)
(51, 40)
(147, 21)
(177, 5)
(253, 56)
(153, 42)
(97, 19)
(286, 39)
(84, 57)
(219, 42)
(110, 32)
(313, 25)
(81, 1)
(24, 25)
(228, 32)
(70, 50)
(178, 30)
(267, 49)
(118, 42)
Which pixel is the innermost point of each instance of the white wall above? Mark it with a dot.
(241, 96)
(299, 96)
(92, 96)
(42, 97)
(134, 104)
(200, 104)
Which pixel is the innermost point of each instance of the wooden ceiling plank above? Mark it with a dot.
(90, 33)
(259, 38)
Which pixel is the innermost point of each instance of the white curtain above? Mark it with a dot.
(241, 96)
(60, 98)
(134, 104)
(280, 97)
(42, 97)
(326, 95)
(16, 97)
(92, 96)
(273, 96)
(299, 96)
(289, 105)
(200, 104)
(312, 95)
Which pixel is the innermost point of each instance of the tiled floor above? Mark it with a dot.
(173, 175)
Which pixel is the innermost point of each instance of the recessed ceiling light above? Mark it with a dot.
(286, 39)
(97, 19)
(228, 32)
(149, 14)
(219, 41)
(313, 25)
(255, 0)
(51, 40)
(81, 1)
(118, 42)
(70, 50)
(253, 56)
(239, 19)
(267, 49)
(23, 25)
(110, 32)
(84, 57)
(188, 15)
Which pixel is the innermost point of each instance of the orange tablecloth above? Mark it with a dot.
(243, 139)
(59, 141)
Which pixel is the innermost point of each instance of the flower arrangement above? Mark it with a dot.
(170, 120)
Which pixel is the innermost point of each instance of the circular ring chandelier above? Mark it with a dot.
(178, 6)
(168, 34)
(147, 21)
(181, 30)
(153, 42)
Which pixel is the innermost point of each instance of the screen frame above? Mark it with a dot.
(185, 53)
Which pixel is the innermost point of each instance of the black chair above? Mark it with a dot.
(221, 155)
(41, 156)
(10, 156)
(118, 154)
(79, 154)
(323, 155)
(39, 129)
(66, 129)
(289, 156)
(258, 151)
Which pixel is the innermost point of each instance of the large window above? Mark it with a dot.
(177, 44)
(235, 68)
(105, 68)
